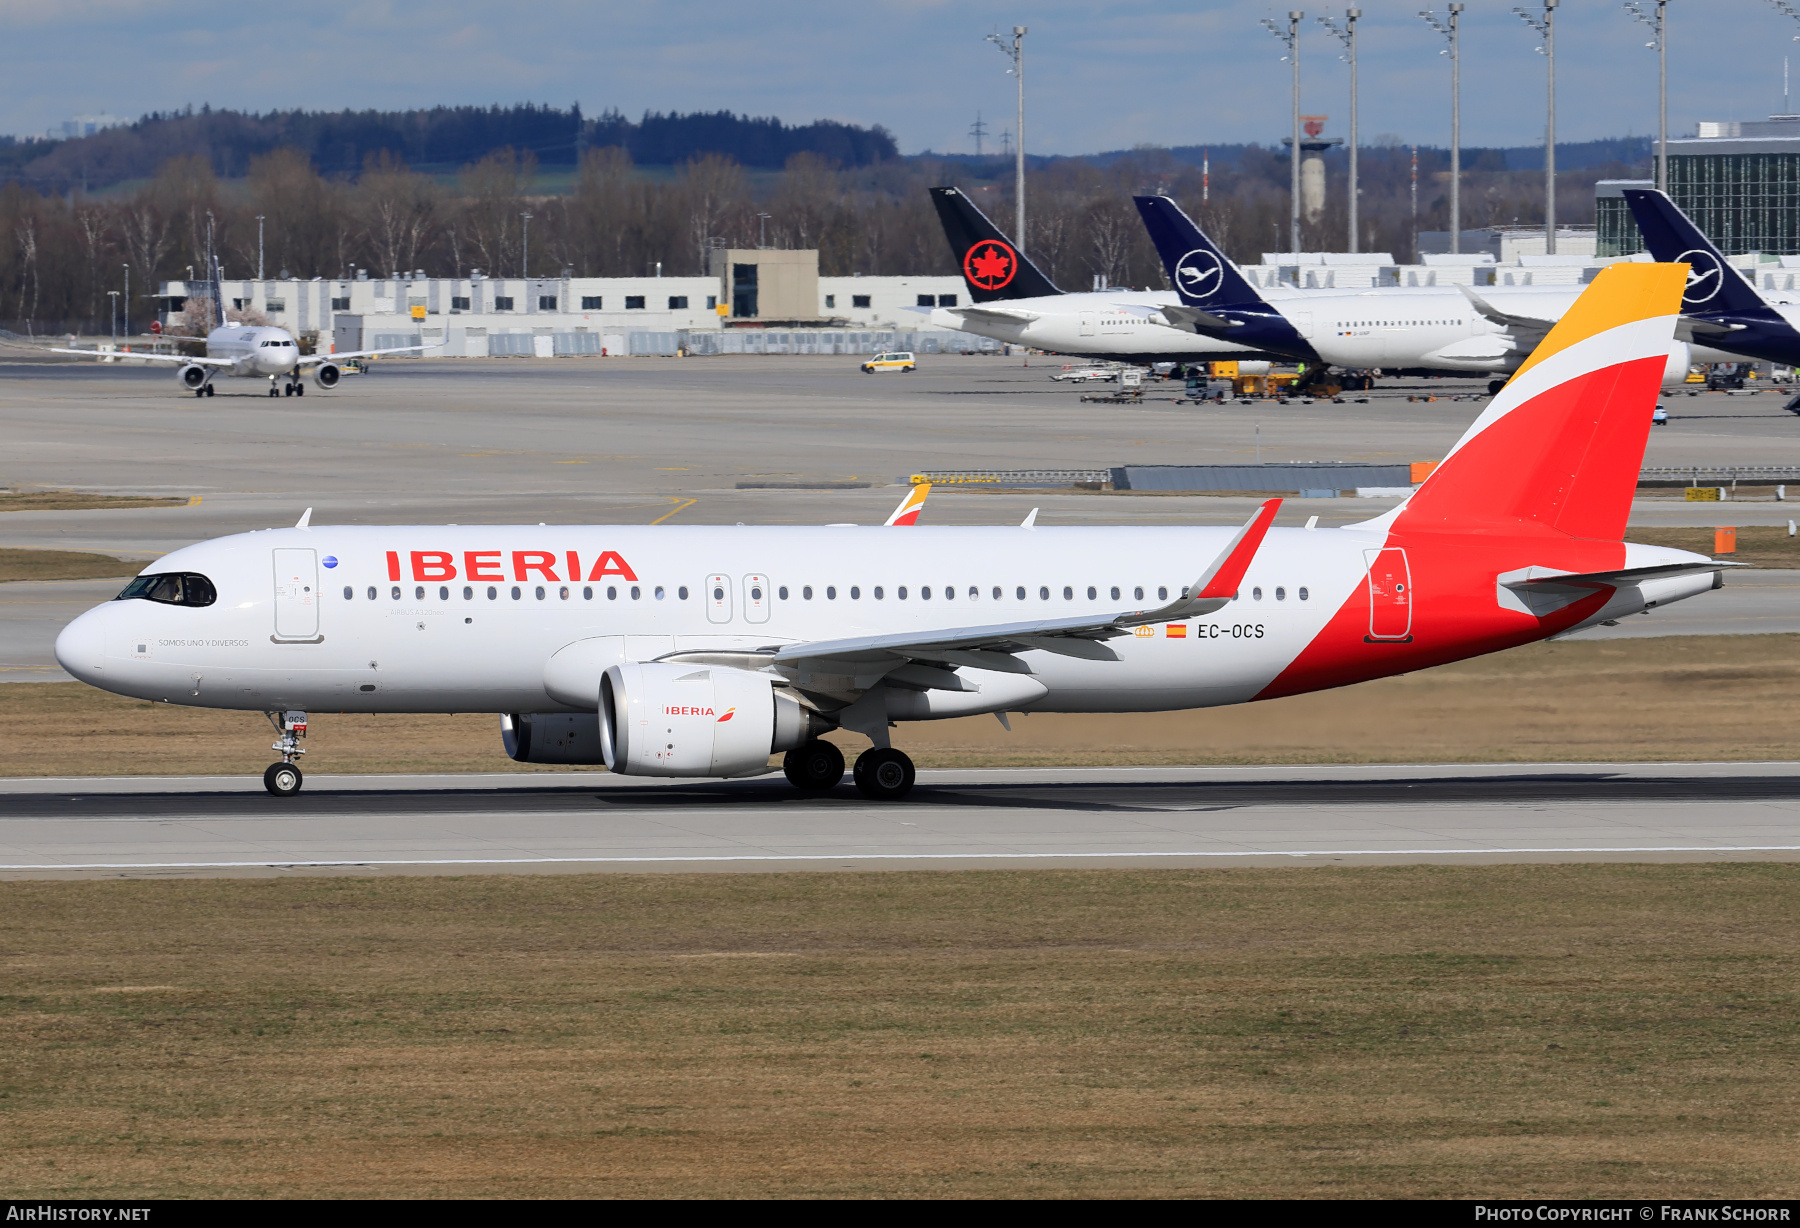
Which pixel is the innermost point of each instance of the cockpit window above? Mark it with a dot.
(172, 588)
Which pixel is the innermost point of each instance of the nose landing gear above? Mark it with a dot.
(283, 779)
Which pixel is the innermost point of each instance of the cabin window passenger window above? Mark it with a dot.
(831, 592)
(612, 593)
(443, 592)
(371, 592)
(949, 592)
(1162, 593)
(349, 593)
(468, 593)
(1256, 593)
(681, 592)
(563, 592)
(539, 593)
(806, 592)
(636, 592)
(493, 593)
(1303, 594)
(419, 593)
(1115, 592)
(997, 592)
(901, 591)
(878, 593)
(855, 593)
(1281, 594)
(396, 592)
(1020, 593)
(659, 592)
(782, 592)
(925, 593)
(1043, 592)
(1137, 594)
(587, 593)
(517, 592)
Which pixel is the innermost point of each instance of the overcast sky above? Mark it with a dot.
(1100, 74)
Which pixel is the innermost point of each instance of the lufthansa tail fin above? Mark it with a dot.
(1560, 448)
(991, 267)
(1712, 284)
(1202, 274)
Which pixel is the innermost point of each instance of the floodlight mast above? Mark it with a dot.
(1016, 53)
(1546, 30)
(1347, 36)
(1290, 37)
(1660, 45)
(1450, 31)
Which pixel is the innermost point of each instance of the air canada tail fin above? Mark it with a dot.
(1561, 447)
(1202, 274)
(991, 267)
(1712, 284)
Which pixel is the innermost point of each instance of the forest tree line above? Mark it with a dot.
(61, 254)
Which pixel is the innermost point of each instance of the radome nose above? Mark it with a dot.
(81, 647)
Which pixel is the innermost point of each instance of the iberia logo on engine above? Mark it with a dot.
(678, 711)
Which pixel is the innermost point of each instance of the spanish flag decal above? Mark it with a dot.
(1177, 631)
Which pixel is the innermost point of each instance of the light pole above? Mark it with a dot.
(1660, 45)
(1546, 29)
(1016, 53)
(1291, 37)
(1450, 32)
(1347, 36)
(112, 299)
(525, 247)
(762, 229)
(127, 302)
(259, 247)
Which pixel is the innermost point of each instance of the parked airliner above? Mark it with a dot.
(1015, 302)
(1445, 330)
(702, 651)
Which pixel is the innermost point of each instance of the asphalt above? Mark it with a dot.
(993, 818)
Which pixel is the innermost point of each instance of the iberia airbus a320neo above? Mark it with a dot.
(674, 651)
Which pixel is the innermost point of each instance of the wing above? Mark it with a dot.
(1692, 328)
(910, 507)
(842, 670)
(1007, 315)
(311, 359)
(199, 362)
(1515, 323)
(1192, 319)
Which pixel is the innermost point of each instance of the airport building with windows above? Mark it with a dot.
(1738, 181)
(752, 300)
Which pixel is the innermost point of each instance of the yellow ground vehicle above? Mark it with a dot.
(894, 360)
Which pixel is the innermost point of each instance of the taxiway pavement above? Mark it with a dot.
(1012, 818)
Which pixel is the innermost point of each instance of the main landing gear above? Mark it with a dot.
(882, 774)
(283, 779)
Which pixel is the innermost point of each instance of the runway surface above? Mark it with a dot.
(593, 822)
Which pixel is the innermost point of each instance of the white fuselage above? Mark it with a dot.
(314, 618)
(1118, 324)
(256, 351)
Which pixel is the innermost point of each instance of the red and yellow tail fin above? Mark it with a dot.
(1562, 444)
(911, 506)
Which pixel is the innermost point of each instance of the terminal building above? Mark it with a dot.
(1738, 181)
(756, 300)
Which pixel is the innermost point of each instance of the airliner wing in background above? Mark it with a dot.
(312, 359)
(1192, 318)
(1532, 325)
(1004, 315)
(199, 362)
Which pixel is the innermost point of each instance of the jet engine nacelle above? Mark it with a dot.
(666, 719)
(551, 737)
(327, 374)
(192, 375)
(1681, 357)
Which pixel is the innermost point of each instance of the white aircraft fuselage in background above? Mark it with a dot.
(253, 351)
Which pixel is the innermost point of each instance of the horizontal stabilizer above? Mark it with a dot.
(1549, 577)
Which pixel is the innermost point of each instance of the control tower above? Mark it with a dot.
(1312, 165)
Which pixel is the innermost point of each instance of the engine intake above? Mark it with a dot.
(551, 737)
(664, 719)
(327, 374)
(192, 375)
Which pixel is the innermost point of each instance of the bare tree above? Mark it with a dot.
(397, 209)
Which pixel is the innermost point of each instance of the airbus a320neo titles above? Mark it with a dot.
(251, 351)
(702, 651)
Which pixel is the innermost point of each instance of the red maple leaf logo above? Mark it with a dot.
(990, 264)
